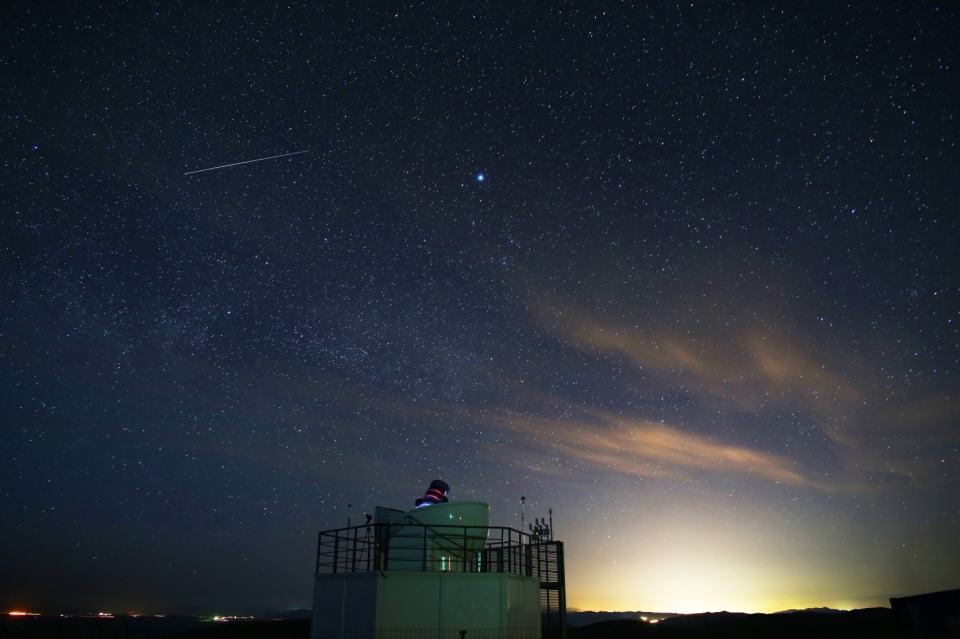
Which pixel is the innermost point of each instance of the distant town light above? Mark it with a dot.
(230, 618)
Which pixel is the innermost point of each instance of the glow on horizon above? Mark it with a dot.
(691, 560)
(684, 586)
(710, 596)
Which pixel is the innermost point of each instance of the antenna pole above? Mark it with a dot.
(349, 513)
(550, 510)
(523, 517)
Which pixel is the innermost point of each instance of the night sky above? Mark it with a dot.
(704, 302)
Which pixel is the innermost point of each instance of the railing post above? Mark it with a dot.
(319, 547)
(367, 545)
(424, 549)
(336, 548)
(386, 548)
(353, 551)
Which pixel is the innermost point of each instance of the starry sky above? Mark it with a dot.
(704, 302)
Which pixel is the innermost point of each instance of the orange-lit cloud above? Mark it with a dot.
(651, 450)
(751, 369)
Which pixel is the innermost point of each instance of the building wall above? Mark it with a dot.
(424, 600)
(346, 600)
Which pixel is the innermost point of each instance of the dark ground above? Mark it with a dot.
(869, 623)
(272, 629)
(92, 627)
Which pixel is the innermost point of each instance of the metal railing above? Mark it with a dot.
(424, 548)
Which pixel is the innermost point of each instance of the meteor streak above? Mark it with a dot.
(223, 166)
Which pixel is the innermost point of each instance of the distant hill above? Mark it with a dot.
(586, 617)
(820, 610)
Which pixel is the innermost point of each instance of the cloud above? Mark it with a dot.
(865, 432)
(751, 369)
(646, 449)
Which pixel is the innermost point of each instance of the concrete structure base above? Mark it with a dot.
(381, 604)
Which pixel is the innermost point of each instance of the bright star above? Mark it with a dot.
(480, 178)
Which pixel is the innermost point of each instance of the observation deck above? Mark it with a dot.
(414, 580)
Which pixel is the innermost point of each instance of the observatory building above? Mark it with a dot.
(438, 571)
